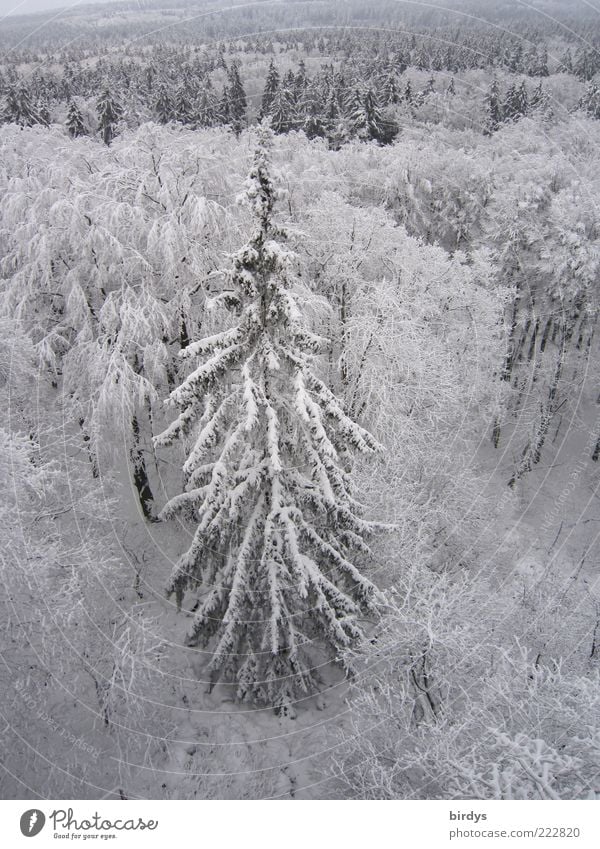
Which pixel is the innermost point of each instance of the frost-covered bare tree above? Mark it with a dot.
(444, 709)
(80, 655)
(102, 271)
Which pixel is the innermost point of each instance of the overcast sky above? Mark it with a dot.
(24, 7)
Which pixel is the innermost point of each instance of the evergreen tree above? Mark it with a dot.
(437, 61)
(355, 111)
(221, 63)
(109, 113)
(585, 64)
(182, 107)
(590, 102)
(75, 125)
(531, 61)
(271, 86)
(289, 84)
(310, 112)
(389, 88)
(540, 102)
(522, 99)
(300, 80)
(19, 109)
(400, 62)
(541, 68)
(494, 113)
(515, 62)
(149, 78)
(342, 88)
(44, 113)
(237, 98)
(566, 63)
(422, 61)
(366, 119)
(538, 96)
(224, 107)
(429, 88)
(451, 90)
(208, 106)
(334, 127)
(282, 111)
(163, 106)
(277, 524)
(516, 102)
(449, 63)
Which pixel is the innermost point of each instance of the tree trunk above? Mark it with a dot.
(140, 473)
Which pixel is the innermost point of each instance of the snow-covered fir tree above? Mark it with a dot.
(182, 107)
(494, 113)
(590, 101)
(208, 105)
(237, 98)
(389, 87)
(332, 114)
(224, 107)
(282, 110)
(366, 118)
(310, 111)
(540, 102)
(19, 109)
(75, 125)
(516, 102)
(301, 79)
(566, 63)
(429, 87)
(271, 86)
(267, 478)
(400, 62)
(44, 112)
(163, 106)
(584, 64)
(541, 67)
(289, 82)
(109, 114)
